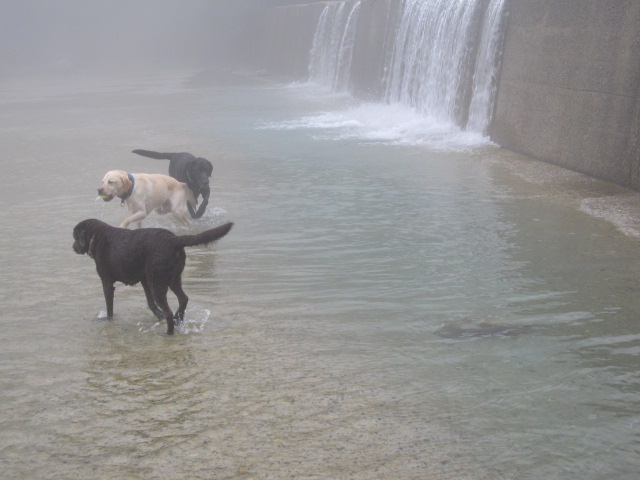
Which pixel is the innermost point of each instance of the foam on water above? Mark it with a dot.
(388, 124)
(196, 318)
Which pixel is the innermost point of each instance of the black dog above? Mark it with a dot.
(194, 171)
(152, 256)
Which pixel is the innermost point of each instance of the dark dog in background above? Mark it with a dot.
(194, 171)
(154, 257)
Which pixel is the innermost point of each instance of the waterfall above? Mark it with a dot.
(431, 56)
(485, 81)
(445, 60)
(332, 50)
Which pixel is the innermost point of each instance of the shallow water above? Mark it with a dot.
(314, 343)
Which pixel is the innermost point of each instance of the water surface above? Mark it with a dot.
(390, 304)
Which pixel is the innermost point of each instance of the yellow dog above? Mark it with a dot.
(143, 193)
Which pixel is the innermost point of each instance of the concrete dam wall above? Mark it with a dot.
(570, 86)
(554, 80)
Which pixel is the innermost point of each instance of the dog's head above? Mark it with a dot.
(114, 184)
(83, 234)
(199, 171)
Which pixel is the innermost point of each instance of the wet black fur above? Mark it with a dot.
(154, 257)
(194, 171)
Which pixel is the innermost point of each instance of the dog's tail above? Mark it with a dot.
(150, 154)
(204, 238)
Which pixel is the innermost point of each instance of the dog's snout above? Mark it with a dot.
(100, 191)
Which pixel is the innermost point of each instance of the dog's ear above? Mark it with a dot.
(81, 239)
(206, 165)
(83, 235)
(126, 183)
(81, 243)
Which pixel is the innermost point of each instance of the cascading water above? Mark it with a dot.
(443, 63)
(485, 82)
(445, 60)
(432, 55)
(332, 51)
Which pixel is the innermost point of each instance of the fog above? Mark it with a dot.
(41, 36)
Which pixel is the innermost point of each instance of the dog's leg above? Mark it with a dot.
(203, 205)
(176, 287)
(168, 315)
(109, 290)
(160, 296)
(150, 301)
(192, 212)
(136, 217)
(181, 217)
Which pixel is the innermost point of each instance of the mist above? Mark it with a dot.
(73, 36)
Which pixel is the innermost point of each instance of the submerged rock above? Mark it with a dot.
(469, 328)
